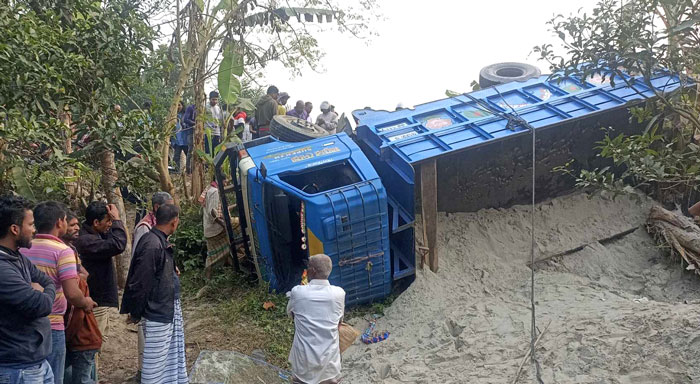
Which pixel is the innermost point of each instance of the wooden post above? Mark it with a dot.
(428, 194)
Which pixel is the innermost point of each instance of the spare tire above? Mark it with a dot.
(502, 73)
(294, 129)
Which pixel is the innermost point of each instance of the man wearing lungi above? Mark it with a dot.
(152, 296)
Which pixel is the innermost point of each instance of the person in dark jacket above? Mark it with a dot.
(101, 237)
(26, 299)
(265, 110)
(152, 299)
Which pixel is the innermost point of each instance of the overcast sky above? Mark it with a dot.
(423, 48)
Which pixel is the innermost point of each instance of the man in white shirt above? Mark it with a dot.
(328, 119)
(214, 121)
(317, 310)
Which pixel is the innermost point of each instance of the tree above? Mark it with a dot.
(639, 38)
(247, 34)
(70, 58)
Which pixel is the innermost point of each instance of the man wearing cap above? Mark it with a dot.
(328, 120)
(282, 101)
(214, 120)
(265, 110)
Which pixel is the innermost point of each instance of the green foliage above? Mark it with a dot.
(78, 58)
(639, 38)
(230, 68)
(188, 241)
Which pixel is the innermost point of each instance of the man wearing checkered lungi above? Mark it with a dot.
(152, 297)
(218, 248)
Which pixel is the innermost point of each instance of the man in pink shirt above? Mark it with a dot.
(58, 261)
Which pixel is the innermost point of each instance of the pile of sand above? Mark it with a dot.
(620, 312)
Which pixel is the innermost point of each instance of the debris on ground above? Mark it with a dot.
(229, 367)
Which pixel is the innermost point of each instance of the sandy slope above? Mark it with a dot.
(617, 311)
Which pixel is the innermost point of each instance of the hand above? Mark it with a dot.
(91, 304)
(37, 287)
(177, 270)
(129, 320)
(113, 211)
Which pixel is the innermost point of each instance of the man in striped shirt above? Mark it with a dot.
(58, 261)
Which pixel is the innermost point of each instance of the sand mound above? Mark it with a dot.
(617, 310)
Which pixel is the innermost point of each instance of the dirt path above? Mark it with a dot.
(618, 310)
(119, 356)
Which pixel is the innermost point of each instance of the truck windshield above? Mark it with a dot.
(322, 178)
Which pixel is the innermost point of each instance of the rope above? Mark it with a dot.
(515, 119)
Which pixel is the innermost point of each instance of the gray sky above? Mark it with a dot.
(423, 48)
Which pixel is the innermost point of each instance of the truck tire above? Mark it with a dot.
(294, 129)
(502, 73)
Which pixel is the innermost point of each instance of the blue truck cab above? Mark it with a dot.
(318, 196)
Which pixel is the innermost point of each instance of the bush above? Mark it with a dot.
(188, 240)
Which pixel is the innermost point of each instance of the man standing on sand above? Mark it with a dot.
(58, 261)
(102, 237)
(152, 297)
(265, 110)
(26, 298)
(317, 309)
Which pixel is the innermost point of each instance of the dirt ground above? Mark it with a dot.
(118, 363)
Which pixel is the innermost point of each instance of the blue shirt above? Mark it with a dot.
(181, 132)
(189, 119)
(302, 115)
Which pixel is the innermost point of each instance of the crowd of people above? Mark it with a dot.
(223, 120)
(58, 283)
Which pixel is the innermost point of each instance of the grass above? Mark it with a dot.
(239, 320)
(238, 306)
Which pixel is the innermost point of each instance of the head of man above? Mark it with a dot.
(213, 98)
(325, 107)
(159, 199)
(146, 106)
(283, 98)
(320, 267)
(97, 217)
(73, 227)
(167, 218)
(299, 106)
(273, 92)
(16, 222)
(50, 218)
(117, 109)
(308, 107)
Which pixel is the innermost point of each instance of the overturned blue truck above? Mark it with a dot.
(357, 198)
